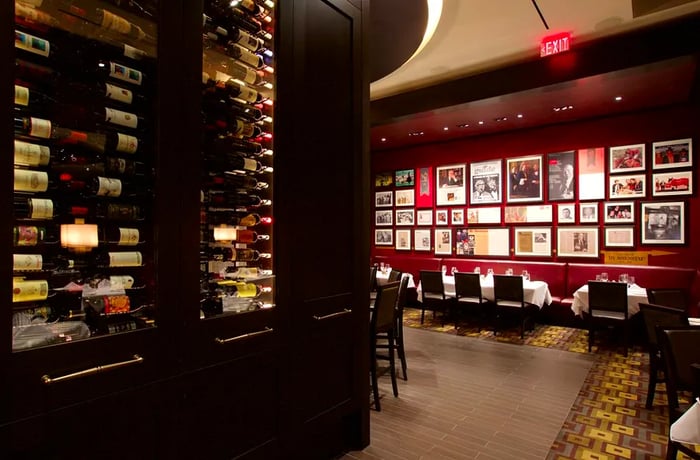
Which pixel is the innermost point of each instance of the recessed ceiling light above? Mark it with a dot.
(416, 133)
(463, 125)
(383, 139)
(520, 115)
(618, 98)
(445, 128)
(500, 119)
(481, 122)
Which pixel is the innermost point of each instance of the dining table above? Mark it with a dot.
(635, 295)
(383, 278)
(534, 291)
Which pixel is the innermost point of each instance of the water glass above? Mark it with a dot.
(453, 271)
(604, 276)
(477, 270)
(381, 266)
(489, 271)
(631, 280)
(597, 277)
(509, 271)
(444, 270)
(387, 267)
(526, 275)
(623, 278)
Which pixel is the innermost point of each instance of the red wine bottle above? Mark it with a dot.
(35, 73)
(226, 254)
(233, 162)
(223, 35)
(229, 217)
(228, 144)
(230, 89)
(220, 198)
(237, 235)
(31, 154)
(46, 209)
(226, 180)
(30, 235)
(222, 11)
(119, 212)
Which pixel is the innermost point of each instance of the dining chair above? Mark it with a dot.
(670, 297)
(653, 316)
(394, 275)
(382, 324)
(509, 296)
(398, 330)
(680, 349)
(433, 295)
(607, 306)
(684, 433)
(468, 294)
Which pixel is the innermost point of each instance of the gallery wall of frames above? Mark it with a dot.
(567, 192)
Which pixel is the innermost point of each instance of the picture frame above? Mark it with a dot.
(663, 222)
(673, 154)
(626, 187)
(588, 213)
(524, 179)
(383, 217)
(566, 213)
(421, 240)
(577, 242)
(626, 158)
(384, 199)
(424, 217)
(405, 217)
(450, 185)
(561, 176)
(590, 173)
(533, 241)
(405, 197)
(486, 182)
(528, 213)
(457, 216)
(672, 183)
(618, 212)
(424, 187)
(403, 240)
(441, 217)
(485, 215)
(405, 177)
(619, 237)
(483, 242)
(384, 179)
(443, 241)
(383, 237)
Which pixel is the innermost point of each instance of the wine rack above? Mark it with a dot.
(84, 148)
(236, 273)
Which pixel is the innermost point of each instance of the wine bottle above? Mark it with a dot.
(143, 8)
(27, 13)
(244, 55)
(237, 235)
(29, 181)
(122, 236)
(27, 99)
(36, 73)
(223, 10)
(219, 198)
(119, 212)
(226, 254)
(113, 187)
(224, 161)
(29, 290)
(227, 144)
(119, 259)
(232, 89)
(234, 272)
(233, 126)
(228, 217)
(232, 69)
(228, 180)
(32, 47)
(36, 262)
(107, 304)
(223, 36)
(30, 235)
(237, 288)
(71, 165)
(46, 209)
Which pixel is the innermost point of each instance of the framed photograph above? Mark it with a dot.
(619, 212)
(533, 241)
(486, 182)
(383, 199)
(464, 244)
(384, 237)
(588, 213)
(530, 214)
(577, 242)
(451, 187)
(404, 197)
(560, 175)
(405, 178)
(619, 237)
(405, 217)
(443, 241)
(424, 217)
(632, 186)
(421, 240)
(627, 158)
(424, 187)
(673, 154)
(457, 216)
(675, 183)
(663, 222)
(524, 179)
(441, 217)
(384, 217)
(384, 179)
(403, 240)
(566, 213)
(591, 173)
(488, 215)
(483, 242)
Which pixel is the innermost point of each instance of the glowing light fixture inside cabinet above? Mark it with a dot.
(79, 237)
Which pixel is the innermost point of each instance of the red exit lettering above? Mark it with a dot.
(555, 44)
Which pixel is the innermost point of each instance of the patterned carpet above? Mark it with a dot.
(608, 420)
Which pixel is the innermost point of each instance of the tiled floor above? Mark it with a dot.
(472, 399)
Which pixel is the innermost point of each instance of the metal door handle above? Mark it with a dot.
(345, 311)
(47, 380)
(221, 341)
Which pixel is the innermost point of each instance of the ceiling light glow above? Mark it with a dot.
(520, 115)
(445, 128)
(618, 98)
(481, 122)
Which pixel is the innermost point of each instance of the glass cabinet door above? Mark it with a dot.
(84, 148)
(236, 273)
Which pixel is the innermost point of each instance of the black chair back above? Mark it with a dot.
(508, 289)
(680, 348)
(373, 278)
(431, 283)
(607, 296)
(668, 297)
(468, 285)
(383, 314)
(394, 275)
(659, 315)
(403, 295)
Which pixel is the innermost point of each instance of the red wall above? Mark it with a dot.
(649, 126)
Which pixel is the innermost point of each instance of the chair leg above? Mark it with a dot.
(400, 348)
(671, 450)
(422, 314)
(651, 388)
(590, 338)
(392, 364)
(626, 337)
(373, 375)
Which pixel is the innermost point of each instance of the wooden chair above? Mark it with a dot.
(653, 316)
(683, 434)
(607, 305)
(509, 296)
(382, 325)
(680, 348)
(468, 293)
(433, 295)
(669, 297)
(394, 275)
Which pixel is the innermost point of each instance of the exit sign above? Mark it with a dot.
(555, 44)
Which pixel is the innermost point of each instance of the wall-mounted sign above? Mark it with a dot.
(554, 44)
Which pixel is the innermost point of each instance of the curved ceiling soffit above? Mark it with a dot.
(399, 29)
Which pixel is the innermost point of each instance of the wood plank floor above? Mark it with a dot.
(471, 399)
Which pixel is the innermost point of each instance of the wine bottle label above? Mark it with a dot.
(122, 72)
(250, 165)
(123, 211)
(40, 208)
(26, 235)
(31, 181)
(28, 291)
(246, 290)
(126, 143)
(247, 40)
(133, 53)
(27, 262)
(21, 95)
(40, 128)
(128, 236)
(121, 118)
(31, 154)
(116, 304)
(248, 95)
(32, 44)
(125, 259)
(118, 94)
(250, 220)
(114, 22)
(121, 282)
(116, 164)
(249, 58)
(107, 186)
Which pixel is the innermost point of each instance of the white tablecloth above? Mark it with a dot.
(535, 292)
(687, 428)
(383, 278)
(635, 295)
